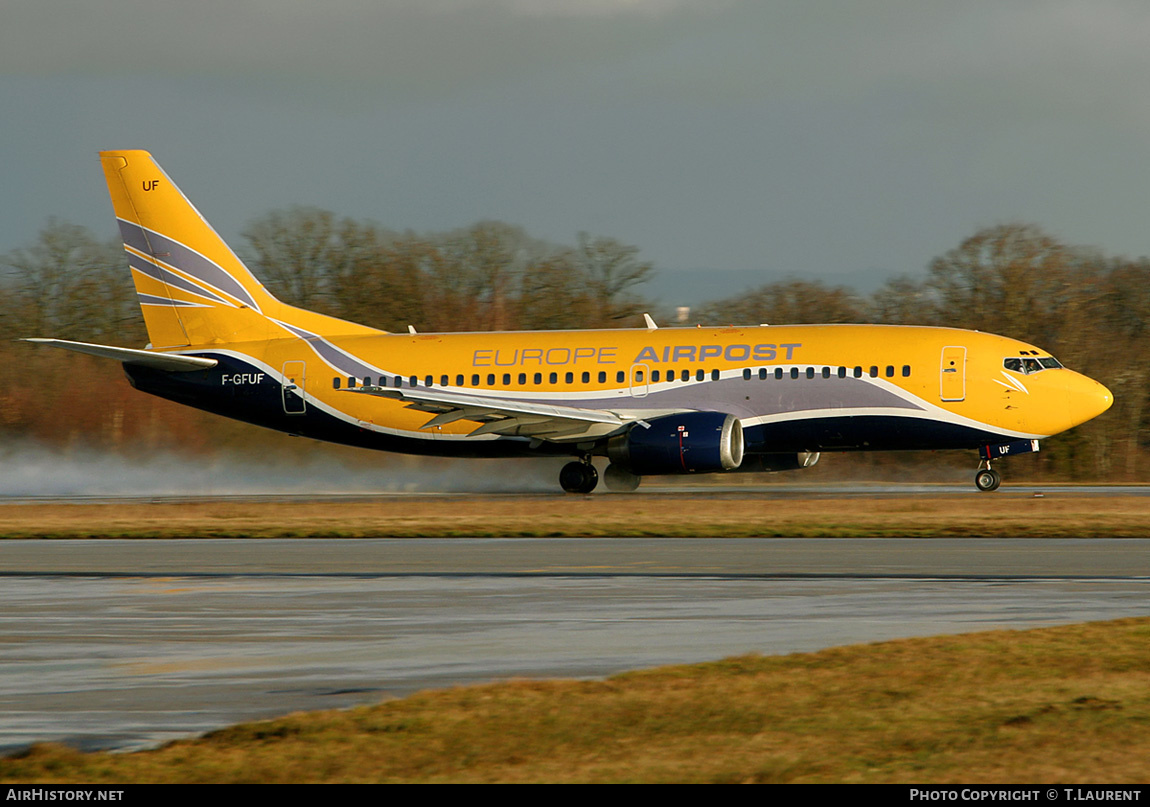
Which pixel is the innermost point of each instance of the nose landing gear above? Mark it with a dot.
(987, 479)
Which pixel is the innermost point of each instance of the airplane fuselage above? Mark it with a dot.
(807, 388)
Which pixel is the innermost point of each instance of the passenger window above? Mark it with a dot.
(335, 383)
(873, 371)
(906, 371)
(858, 372)
(699, 375)
(842, 372)
(762, 373)
(602, 376)
(810, 372)
(443, 381)
(553, 378)
(714, 375)
(538, 378)
(794, 372)
(586, 377)
(507, 379)
(826, 372)
(429, 380)
(351, 382)
(890, 371)
(399, 381)
(778, 372)
(367, 381)
(459, 380)
(686, 375)
(747, 374)
(655, 376)
(523, 378)
(475, 379)
(414, 381)
(491, 379)
(620, 377)
(569, 378)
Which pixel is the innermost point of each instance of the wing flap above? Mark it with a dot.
(502, 415)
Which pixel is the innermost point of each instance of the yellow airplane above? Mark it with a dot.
(653, 401)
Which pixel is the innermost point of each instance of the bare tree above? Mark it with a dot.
(298, 252)
(1011, 279)
(611, 271)
(789, 302)
(71, 285)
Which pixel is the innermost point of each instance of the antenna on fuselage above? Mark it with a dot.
(651, 326)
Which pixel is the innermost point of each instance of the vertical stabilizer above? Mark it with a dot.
(193, 289)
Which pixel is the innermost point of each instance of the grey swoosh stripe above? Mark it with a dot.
(164, 276)
(185, 259)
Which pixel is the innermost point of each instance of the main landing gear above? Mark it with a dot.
(986, 478)
(579, 477)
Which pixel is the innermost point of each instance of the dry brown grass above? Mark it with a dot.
(1068, 704)
(1060, 513)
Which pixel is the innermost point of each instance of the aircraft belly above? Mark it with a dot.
(864, 433)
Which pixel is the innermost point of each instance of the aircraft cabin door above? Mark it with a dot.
(952, 374)
(293, 387)
(639, 380)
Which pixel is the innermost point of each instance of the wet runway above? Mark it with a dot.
(127, 643)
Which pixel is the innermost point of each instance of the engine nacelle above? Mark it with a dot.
(693, 442)
(763, 463)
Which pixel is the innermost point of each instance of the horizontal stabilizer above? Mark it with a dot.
(145, 358)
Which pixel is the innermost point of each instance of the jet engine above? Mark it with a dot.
(691, 442)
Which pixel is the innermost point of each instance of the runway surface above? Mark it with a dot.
(121, 644)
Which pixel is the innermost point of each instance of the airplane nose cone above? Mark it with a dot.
(1086, 399)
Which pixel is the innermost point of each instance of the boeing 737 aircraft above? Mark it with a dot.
(653, 401)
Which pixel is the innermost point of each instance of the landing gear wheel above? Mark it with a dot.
(620, 480)
(578, 477)
(987, 479)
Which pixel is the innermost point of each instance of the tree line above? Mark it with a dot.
(1087, 308)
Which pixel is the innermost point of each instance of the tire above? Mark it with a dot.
(620, 480)
(578, 477)
(987, 480)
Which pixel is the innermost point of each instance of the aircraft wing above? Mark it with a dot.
(504, 415)
(173, 362)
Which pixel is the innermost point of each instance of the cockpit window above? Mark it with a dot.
(1027, 366)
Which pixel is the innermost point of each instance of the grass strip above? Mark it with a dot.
(1065, 704)
(1056, 515)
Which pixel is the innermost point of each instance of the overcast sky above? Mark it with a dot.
(741, 142)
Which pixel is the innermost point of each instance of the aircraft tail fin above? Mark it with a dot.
(193, 289)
